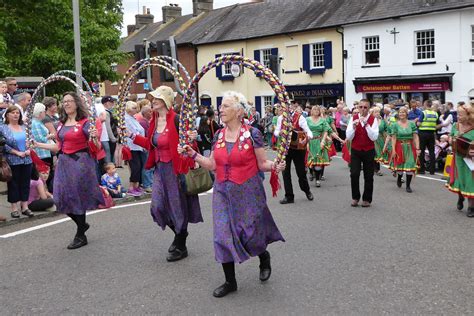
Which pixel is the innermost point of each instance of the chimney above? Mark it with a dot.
(130, 29)
(143, 19)
(200, 6)
(171, 12)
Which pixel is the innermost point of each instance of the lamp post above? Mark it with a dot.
(77, 40)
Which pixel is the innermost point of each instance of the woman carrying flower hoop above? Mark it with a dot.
(77, 144)
(170, 205)
(243, 224)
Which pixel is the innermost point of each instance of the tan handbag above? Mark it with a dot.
(5, 170)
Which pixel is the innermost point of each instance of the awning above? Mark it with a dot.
(429, 82)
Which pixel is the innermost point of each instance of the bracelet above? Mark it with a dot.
(193, 157)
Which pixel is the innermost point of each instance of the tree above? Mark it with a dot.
(37, 37)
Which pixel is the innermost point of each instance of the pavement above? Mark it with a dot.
(407, 254)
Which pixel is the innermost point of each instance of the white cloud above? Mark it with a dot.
(132, 7)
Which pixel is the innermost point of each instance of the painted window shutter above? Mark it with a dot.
(256, 55)
(274, 51)
(218, 102)
(327, 55)
(258, 104)
(306, 61)
(219, 69)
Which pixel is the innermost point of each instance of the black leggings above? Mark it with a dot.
(80, 221)
(41, 205)
(19, 186)
(136, 166)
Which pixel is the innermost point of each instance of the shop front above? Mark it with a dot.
(319, 94)
(399, 89)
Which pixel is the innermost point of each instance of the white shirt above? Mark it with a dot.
(372, 131)
(100, 109)
(446, 124)
(302, 123)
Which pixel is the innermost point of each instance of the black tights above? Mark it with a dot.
(229, 268)
(80, 221)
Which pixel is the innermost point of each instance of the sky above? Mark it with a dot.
(132, 7)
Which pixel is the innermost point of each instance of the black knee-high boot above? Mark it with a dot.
(180, 251)
(408, 188)
(80, 239)
(399, 180)
(265, 266)
(230, 284)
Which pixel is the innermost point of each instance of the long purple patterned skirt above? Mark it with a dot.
(243, 224)
(170, 205)
(75, 187)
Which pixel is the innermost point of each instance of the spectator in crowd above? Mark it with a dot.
(111, 125)
(18, 157)
(141, 104)
(22, 100)
(112, 182)
(206, 131)
(345, 117)
(337, 121)
(41, 135)
(104, 136)
(144, 120)
(452, 111)
(415, 112)
(136, 163)
(12, 86)
(5, 99)
(40, 199)
(51, 119)
(201, 114)
(445, 122)
(268, 127)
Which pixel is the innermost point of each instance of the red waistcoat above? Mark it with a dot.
(361, 141)
(162, 149)
(296, 122)
(75, 140)
(240, 164)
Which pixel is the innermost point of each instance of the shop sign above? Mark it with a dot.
(402, 87)
(308, 91)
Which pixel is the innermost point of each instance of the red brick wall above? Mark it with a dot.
(186, 55)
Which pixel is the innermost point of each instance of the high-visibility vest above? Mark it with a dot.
(429, 121)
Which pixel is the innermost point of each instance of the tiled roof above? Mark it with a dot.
(273, 17)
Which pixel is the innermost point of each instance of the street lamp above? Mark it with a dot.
(77, 40)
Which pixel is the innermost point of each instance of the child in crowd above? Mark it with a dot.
(40, 199)
(5, 99)
(111, 181)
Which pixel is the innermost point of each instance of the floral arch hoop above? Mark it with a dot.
(54, 78)
(187, 121)
(162, 62)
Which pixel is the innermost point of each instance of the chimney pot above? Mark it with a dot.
(200, 6)
(171, 12)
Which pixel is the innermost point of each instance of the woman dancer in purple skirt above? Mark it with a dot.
(170, 205)
(243, 225)
(76, 189)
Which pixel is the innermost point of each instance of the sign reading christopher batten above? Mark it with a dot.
(402, 87)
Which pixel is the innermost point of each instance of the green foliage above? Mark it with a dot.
(36, 37)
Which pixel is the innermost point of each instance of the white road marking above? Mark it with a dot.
(62, 220)
(59, 221)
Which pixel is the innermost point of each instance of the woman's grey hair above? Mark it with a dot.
(130, 105)
(239, 100)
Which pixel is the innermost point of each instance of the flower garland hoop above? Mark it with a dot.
(186, 121)
(132, 73)
(75, 74)
(53, 78)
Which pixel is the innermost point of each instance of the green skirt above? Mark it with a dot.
(317, 157)
(463, 179)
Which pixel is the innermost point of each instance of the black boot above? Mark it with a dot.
(311, 174)
(78, 242)
(181, 251)
(265, 266)
(175, 240)
(399, 180)
(80, 239)
(408, 188)
(230, 284)
(460, 204)
(470, 211)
